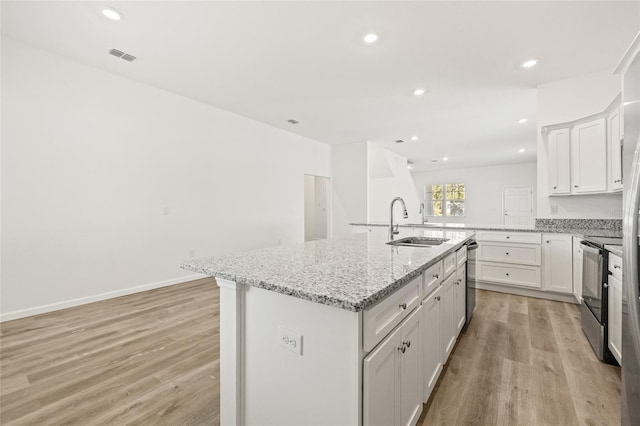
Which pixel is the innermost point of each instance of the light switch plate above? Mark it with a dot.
(290, 340)
(554, 209)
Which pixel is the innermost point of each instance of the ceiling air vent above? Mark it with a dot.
(400, 141)
(292, 121)
(116, 52)
(120, 54)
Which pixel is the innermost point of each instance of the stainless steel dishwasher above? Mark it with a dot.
(472, 245)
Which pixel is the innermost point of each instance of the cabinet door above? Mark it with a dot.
(558, 263)
(447, 312)
(615, 150)
(411, 369)
(577, 268)
(589, 157)
(615, 317)
(431, 344)
(381, 381)
(559, 152)
(460, 298)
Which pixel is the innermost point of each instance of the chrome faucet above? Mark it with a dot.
(422, 212)
(392, 231)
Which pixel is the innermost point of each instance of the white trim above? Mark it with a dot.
(22, 313)
(548, 295)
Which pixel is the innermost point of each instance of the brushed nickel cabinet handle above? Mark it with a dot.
(438, 298)
(403, 306)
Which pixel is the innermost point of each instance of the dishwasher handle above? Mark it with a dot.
(590, 247)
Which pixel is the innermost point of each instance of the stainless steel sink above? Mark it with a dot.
(418, 241)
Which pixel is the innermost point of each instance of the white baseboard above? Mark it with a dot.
(520, 291)
(22, 313)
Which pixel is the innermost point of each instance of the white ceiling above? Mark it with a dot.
(272, 61)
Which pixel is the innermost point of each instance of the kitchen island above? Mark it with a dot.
(299, 323)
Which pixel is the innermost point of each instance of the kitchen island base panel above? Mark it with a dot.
(262, 382)
(523, 291)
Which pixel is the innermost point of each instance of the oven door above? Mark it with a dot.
(592, 279)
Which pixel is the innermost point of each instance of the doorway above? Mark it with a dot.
(316, 207)
(518, 205)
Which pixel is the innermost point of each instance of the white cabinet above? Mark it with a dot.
(614, 142)
(460, 294)
(589, 157)
(392, 376)
(559, 157)
(577, 269)
(447, 315)
(431, 278)
(615, 307)
(557, 250)
(432, 341)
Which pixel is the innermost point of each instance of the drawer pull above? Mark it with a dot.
(407, 343)
(555, 187)
(438, 298)
(402, 348)
(436, 276)
(507, 253)
(507, 274)
(508, 237)
(616, 266)
(403, 306)
(575, 186)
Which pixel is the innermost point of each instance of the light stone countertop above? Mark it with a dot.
(348, 273)
(581, 232)
(615, 249)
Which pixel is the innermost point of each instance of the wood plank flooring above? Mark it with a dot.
(524, 361)
(146, 359)
(152, 358)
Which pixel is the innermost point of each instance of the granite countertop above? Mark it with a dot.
(348, 273)
(615, 249)
(481, 227)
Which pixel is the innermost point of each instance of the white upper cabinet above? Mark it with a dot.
(559, 161)
(589, 157)
(614, 140)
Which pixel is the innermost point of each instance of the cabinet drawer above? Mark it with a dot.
(461, 255)
(528, 254)
(382, 317)
(431, 279)
(520, 275)
(615, 266)
(449, 265)
(510, 237)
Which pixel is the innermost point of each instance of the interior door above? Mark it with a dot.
(518, 205)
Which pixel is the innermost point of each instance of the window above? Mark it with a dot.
(445, 199)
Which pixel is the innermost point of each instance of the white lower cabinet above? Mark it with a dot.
(447, 316)
(615, 307)
(557, 263)
(432, 344)
(460, 299)
(392, 376)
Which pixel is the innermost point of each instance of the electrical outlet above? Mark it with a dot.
(290, 340)
(554, 209)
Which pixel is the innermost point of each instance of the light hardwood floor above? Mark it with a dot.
(147, 359)
(524, 361)
(152, 359)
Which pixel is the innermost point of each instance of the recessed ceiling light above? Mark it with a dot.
(529, 63)
(409, 166)
(414, 138)
(418, 92)
(521, 150)
(112, 14)
(522, 120)
(445, 159)
(371, 38)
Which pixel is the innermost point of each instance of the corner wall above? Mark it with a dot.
(108, 184)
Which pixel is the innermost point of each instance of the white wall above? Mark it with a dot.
(90, 162)
(389, 177)
(350, 187)
(483, 187)
(568, 100)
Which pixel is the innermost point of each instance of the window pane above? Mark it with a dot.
(437, 208)
(455, 208)
(436, 192)
(455, 191)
